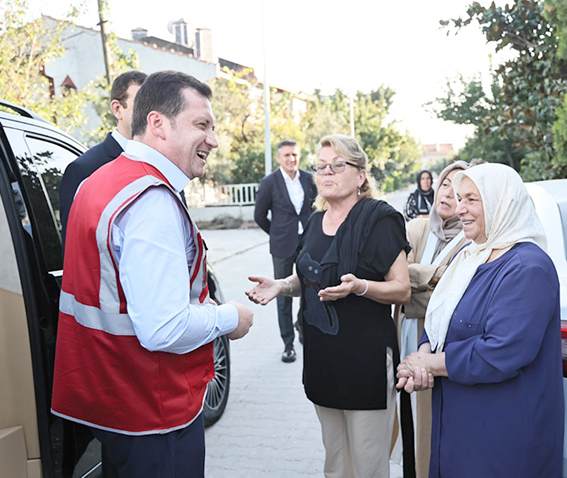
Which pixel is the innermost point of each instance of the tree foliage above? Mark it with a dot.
(238, 111)
(98, 91)
(238, 107)
(27, 47)
(393, 156)
(514, 124)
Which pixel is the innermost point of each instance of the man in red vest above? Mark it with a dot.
(136, 325)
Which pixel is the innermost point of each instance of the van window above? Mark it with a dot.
(42, 163)
(51, 161)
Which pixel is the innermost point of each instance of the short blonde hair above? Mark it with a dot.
(349, 149)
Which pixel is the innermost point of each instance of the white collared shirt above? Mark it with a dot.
(296, 194)
(119, 138)
(154, 249)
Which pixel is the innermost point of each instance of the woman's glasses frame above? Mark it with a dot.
(337, 167)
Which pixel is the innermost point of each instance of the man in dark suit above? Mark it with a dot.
(122, 94)
(288, 193)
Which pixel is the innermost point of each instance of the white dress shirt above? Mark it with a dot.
(296, 194)
(119, 138)
(154, 249)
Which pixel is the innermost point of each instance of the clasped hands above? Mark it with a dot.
(414, 372)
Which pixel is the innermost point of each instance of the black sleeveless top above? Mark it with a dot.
(345, 341)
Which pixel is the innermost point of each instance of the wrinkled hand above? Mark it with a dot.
(245, 321)
(413, 373)
(266, 290)
(348, 285)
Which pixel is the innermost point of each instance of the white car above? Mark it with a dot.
(550, 199)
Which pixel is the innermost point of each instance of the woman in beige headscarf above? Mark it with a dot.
(492, 346)
(434, 242)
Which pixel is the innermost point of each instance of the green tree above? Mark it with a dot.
(393, 156)
(556, 13)
(27, 48)
(325, 115)
(530, 85)
(237, 106)
(239, 111)
(98, 90)
(466, 102)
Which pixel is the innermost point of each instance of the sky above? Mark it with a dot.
(354, 45)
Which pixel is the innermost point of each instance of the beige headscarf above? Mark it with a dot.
(509, 216)
(445, 230)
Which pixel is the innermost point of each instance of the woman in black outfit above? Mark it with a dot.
(350, 269)
(421, 201)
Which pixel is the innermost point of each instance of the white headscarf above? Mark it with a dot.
(509, 216)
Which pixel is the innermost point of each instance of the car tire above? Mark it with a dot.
(216, 396)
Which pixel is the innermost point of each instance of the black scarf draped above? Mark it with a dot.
(349, 241)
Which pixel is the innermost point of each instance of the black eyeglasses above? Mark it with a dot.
(336, 167)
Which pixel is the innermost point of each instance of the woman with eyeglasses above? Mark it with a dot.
(350, 269)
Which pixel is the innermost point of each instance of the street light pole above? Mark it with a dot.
(351, 107)
(105, 53)
(267, 140)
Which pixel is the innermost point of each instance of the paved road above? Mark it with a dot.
(269, 428)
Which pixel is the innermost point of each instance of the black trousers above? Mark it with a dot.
(283, 267)
(177, 454)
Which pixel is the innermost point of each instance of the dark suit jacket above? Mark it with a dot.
(272, 196)
(82, 168)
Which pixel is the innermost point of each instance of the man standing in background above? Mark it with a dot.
(288, 193)
(122, 94)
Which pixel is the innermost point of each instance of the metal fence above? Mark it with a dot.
(201, 194)
(237, 194)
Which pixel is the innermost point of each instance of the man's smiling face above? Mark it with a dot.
(190, 136)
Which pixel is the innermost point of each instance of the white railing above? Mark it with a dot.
(236, 194)
(200, 194)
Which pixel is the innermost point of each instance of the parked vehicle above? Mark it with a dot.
(550, 199)
(33, 442)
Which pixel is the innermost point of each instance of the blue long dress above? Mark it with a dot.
(500, 411)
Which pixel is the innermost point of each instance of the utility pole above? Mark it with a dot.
(267, 140)
(351, 108)
(105, 52)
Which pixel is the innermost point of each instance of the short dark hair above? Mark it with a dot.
(163, 92)
(285, 142)
(119, 90)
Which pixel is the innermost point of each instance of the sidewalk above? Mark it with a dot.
(269, 428)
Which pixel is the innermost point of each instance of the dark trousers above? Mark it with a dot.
(177, 454)
(283, 267)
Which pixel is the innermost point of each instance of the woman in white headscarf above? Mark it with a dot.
(491, 348)
(434, 241)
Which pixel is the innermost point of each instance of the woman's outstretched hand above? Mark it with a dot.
(348, 285)
(264, 291)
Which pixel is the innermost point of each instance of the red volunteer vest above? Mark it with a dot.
(103, 376)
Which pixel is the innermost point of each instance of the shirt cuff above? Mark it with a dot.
(228, 315)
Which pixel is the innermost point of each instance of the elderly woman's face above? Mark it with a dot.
(471, 211)
(446, 204)
(337, 185)
(425, 182)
